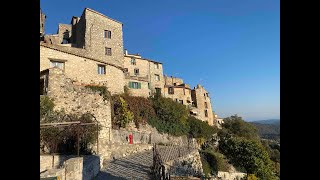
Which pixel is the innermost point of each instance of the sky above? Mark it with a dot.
(231, 47)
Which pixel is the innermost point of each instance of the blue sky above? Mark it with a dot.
(231, 47)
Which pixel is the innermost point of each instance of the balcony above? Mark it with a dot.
(136, 77)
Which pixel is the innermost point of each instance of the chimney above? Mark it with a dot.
(126, 52)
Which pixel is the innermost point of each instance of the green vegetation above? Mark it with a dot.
(248, 154)
(121, 114)
(213, 162)
(236, 126)
(142, 109)
(46, 106)
(64, 139)
(103, 91)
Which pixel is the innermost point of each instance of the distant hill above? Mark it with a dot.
(268, 129)
(268, 121)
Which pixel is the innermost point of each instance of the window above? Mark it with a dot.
(205, 104)
(108, 51)
(66, 37)
(133, 61)
(156, 65)
(181, 101)
(134, 85)
(136, 71)
(157, 77)
(207, 94)
(57, 64)
(158, 91)
(101, 69)
(125, 69)
(107, 34)
(170, 90)
(149, 86)
(174, 84)
(206, 113)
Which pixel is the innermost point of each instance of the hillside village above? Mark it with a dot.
(85, 69)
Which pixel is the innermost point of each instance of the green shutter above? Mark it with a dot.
(130, 85)
(139, 85)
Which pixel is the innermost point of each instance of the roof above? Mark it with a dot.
(102, 15)
(134, 55)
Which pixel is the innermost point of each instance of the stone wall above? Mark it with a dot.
(188, 165)
(179, 93)
(150, 136)
(69, 167)
(78, 99)
(147, 70)
(81, 68)
(95, 42)
(72, 169)
(200, 96)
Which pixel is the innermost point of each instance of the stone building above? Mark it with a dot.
(202, 105)
(90, 51)
(177, 90)
(42, 23)
(144, 77)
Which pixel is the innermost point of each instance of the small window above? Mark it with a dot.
(107, 34)
(149, 86)
(101, 69)
(205, 104)
(157, 77)
(108, 51)
(57, 64)
(134, 85)
(133, 61)
(136, 71)
(158, 91)
(181, 101)
(207, 94)
(174, 84)
(125, 69)
(156, 65)
(170, 90)
(206, 113)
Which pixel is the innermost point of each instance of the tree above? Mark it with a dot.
(237, 126)
(121, 114)
(248, 154)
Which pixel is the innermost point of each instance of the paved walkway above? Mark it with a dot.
(137, 166)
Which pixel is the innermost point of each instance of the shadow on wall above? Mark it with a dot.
(91, 167)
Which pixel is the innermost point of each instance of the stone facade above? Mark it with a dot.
(78, 100)
(82, 68)
(145, 71)
(42, 22)
(87, 60)
(188, 165)
(175, 89)
(202, 102)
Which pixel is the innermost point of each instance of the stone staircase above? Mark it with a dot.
(138, 166)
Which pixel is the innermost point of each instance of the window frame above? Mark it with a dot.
(170, 90)
(106, 53)
(157, 76)
(59, 62)
(136, 71)
(104, 68)
(133, 61)
(107, 34)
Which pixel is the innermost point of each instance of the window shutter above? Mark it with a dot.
(130, 86)
(139, 85)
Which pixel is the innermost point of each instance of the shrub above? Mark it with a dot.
(103, 91)
(121, 115)
(46, 106)
(216, 161)
(200, 129)
(64, 139)
(142, 109)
